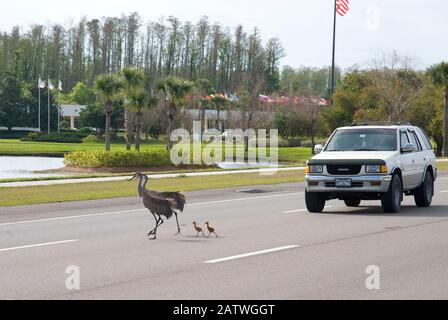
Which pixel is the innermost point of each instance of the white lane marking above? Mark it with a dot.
(251, 254)
(37, 245)
(70, 217)
(138, 210)
(303, 210)
(295, 211)
(246, 199)
(445, 191)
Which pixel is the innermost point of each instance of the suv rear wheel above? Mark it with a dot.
(391, 200)
(315, 202)
(352, 203)
(423, 195)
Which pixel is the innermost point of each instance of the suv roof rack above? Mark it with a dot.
(381, 123)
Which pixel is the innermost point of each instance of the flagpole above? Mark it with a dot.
(49, 106)
(333, 59)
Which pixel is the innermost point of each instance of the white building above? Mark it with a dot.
(71, 111)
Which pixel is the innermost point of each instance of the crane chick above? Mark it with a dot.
(198, 229)
(211, 230)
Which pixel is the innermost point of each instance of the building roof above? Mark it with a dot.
(69, 110)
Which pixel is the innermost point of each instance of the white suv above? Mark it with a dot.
(372, 162)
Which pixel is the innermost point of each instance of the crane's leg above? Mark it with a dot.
(178, 228)
(158, 225)
(150, 233)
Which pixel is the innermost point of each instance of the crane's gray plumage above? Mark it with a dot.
(160, 204)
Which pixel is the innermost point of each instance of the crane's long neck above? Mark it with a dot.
(141, 187)
(146, 181)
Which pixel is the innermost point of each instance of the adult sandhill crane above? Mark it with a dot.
(211, 230)
(160, 204)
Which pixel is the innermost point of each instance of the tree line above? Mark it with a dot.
(229, 58)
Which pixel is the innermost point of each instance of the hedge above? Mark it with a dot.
(61, 137)
(13, 134)
(115, 159)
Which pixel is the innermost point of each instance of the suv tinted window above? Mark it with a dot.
(415, 140)
(363, 140)
(425, 139)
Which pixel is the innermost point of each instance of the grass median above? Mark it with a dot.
(107, 190)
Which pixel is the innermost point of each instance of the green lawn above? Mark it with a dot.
(105, 190)
(12, 146)
(17, 147)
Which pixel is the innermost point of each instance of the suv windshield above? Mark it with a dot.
(363, 140)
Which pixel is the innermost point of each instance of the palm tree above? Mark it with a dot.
(205, 89)
(174, 91)
(439, 75)
(138, 100)
(133, 79)
(109, 86)
(219, 101)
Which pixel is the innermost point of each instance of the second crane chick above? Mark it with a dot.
(211, 230)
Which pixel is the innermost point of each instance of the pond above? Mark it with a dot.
(28, 167)
(240, 165)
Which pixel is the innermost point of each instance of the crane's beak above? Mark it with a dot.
(133, 178)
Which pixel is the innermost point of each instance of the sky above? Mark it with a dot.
(414, 28)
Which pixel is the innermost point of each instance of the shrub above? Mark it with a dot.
(62, 137)
(123, 159)
(64, 124)
(13, 134)
(87, 131)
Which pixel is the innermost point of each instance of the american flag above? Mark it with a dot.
(342, 7)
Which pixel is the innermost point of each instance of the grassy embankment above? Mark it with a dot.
(105, 190)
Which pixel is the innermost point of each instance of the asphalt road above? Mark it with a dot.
(269, 248)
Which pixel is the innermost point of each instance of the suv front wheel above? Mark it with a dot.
(391, 200)
(315, 202)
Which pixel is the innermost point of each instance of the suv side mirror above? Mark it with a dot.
(409, 148)
(318, 148)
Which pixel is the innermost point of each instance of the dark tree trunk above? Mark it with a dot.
(138, 131)
(171, 118)
(312, 137)
(108, 111)
(445, 125)
(203, 120)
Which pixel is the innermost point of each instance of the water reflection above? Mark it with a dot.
(24, 167)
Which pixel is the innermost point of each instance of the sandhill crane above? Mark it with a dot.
(211, 230)
(160, 204)
(198, 229)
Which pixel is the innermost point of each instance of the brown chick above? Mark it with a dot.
(198, 229)
(211, 230)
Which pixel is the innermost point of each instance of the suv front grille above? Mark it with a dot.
(343, 170)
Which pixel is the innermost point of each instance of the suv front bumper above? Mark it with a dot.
(360, 184)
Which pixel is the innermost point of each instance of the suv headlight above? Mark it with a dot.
(376, 168)
(314, 168)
